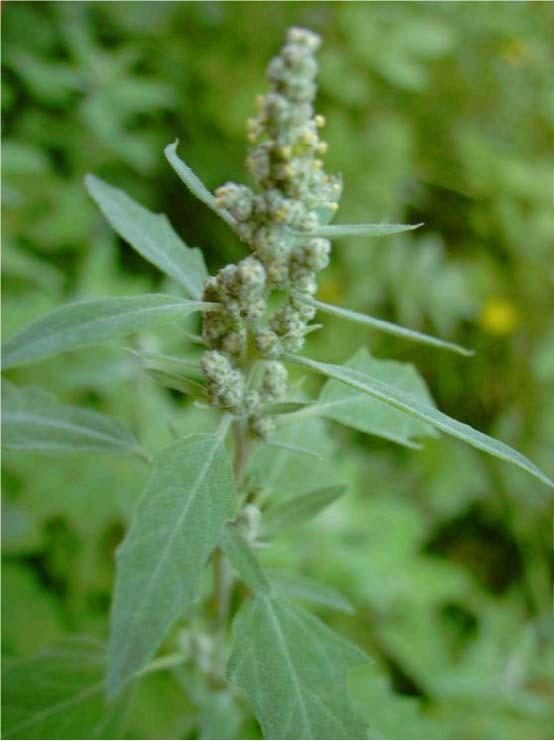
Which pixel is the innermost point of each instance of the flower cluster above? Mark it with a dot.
(294, 197)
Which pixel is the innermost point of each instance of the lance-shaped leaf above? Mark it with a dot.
(308, 590)
(194, 184)
(406, 403)
(242, 557)
(333, 231)
(177, 524)
(295, 670)
(296, 510)
(383, 326)
(356, 409)
(91, 322)
(151, 235)
(33, 420)
(178, 382)
(58, 693)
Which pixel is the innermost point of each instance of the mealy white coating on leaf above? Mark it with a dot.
(151, 235)
(32, 419)
(294, 670)
(87, 323)
(406, 403)
(308, 590)
(177, 524)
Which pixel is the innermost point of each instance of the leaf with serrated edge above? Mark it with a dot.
(382, 326)
(242, 557)
(151, 235)
(294, 670)
(91, 322)
(177, 524)
(32, 419)
(355, 409)
(406, 403)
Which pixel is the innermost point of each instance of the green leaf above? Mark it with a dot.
(355, 409)
(284, 407)
(300, 587)
(177, 524)
(382, 326)
(406, 403)
(32, 419)
(91, 322)
(220, 715)
(57, 694)
(243, 558)
(178, 382)
(151, 235)
(358, 230)
(298, 509)
(294, 670)
(194, 184)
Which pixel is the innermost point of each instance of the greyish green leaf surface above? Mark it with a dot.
(32, 419)
(194, 184)
(382, 326)
(90, 322)
(242, 557)
(334, 231)
(296, 510)
(294, 670)
(406, 403)
(308, 590)
(177, 524)
(151, 235)
(178, 382)
(356, 409)
(57, 694)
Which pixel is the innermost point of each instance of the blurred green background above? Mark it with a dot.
(437, 112)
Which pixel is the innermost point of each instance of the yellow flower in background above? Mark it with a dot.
(498, 316)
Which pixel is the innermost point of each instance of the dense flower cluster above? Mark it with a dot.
(294, 197)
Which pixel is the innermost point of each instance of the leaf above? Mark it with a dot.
(178, 382)
(294, 670)
(57, 694)
(32, 419)
(177, 524)
(91, 322)
(382, 326)
(298, 509)
(194, 184)
(284, 407)
(358, 230)
(355, 409)
(406, 403)
(220, 716)
(243, 558)
(151, 235)
(300, 587)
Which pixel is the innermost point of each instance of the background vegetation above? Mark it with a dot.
(442, 113)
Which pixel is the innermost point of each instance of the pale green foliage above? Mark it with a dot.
(177, 524)
(295, 670)
(57, 694)
(356, 409)
(240, 554)
(308, 590)
(296, 510)
(406, 403)
(91, 322)
(151, 235)
(33, 420)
